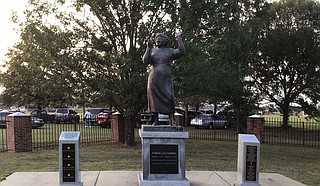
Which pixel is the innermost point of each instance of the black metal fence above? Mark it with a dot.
(218, 134)
(48, 135)
(298, 133)
(3, 140)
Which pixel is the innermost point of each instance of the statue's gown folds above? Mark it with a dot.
(160, 86)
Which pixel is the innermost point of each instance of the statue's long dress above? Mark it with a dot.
(160, 86)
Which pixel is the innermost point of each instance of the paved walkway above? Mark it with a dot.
(130, 178)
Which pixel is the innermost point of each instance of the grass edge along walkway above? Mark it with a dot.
(298, 163)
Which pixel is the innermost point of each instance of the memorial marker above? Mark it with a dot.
(248, 160)
(69, 159)
(163, 156)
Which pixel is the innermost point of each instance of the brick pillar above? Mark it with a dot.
(179, 119)
(19, 132)
(255, 125)
(118, 128)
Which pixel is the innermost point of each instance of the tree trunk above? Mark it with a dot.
(38, 107)
(238, 123)
(186, 121)
(129, 131)
(285, 118)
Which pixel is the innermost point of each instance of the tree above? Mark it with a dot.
(96, 56)
(287, 67)
(224, 40)
(30, 78)
(115, 43)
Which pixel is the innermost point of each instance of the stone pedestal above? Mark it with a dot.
(248, 166)
(255, 125)
(118, 128)
(19, 132)
(69, 159)
(163, 156)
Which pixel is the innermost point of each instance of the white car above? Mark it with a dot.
(210, 121)
(37, 122)
(163, 119)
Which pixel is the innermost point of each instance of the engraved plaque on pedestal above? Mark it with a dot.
(251, 163)
(164, 159)
(68, 163)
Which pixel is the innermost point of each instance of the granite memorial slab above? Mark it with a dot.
(248, 166)
(69, 159)
(163, 156)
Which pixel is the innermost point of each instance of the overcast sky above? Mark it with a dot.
(7, 35)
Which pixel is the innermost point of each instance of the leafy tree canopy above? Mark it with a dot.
(287, 67)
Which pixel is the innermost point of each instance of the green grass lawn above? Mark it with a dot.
(293, 118)
(301, 164)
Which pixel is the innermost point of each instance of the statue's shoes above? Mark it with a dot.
(173, 123)
(155, 124)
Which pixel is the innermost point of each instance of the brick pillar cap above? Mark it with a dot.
(18, 114)
(178, 114)
(116, 113)
(255, 116)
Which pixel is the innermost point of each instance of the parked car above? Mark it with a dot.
(66, 115)
(95, 113)
(180, 111)
(163, 119)
(144, 118)
(228, 115)
(103, 118)
(147, 118)
(47, 118)
(206, 111)
(3, 118)
(37, 122)
(192, 114)
(210, 121)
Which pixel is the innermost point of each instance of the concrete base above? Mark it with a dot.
(142, 182)
(71, 184)
(129, 178)
(237, 183)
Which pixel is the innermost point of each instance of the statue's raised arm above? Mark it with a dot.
(180, 43)
(146, 57)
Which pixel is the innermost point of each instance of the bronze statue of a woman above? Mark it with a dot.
(160, 86)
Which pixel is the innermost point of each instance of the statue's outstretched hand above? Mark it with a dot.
(179, 34)
(150, 43)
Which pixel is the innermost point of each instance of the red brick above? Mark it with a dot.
(255, 125)
(19, 133)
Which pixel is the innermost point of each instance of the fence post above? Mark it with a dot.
(118, 128)
(19, 132)
(255, 125)
(303, 134)
(75, 126)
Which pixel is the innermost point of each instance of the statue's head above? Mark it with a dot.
(162, 40)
